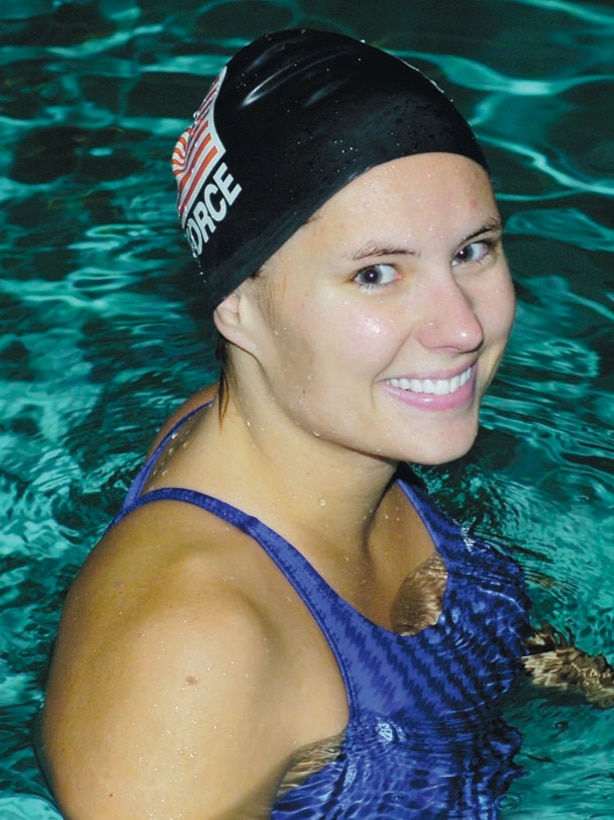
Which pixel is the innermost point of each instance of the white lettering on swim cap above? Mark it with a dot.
(225, 181)
(195, 240)
(208, 195)
(218, 196)
(197, 154)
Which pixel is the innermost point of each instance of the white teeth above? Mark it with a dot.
(439, 387)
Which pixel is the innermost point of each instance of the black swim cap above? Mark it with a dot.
(291, 119)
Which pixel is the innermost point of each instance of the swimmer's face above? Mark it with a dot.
(384, 318)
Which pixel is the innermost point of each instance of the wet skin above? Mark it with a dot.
(398, 282)
(187, 671)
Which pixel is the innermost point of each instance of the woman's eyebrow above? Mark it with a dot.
(491, 226)
(375, 249)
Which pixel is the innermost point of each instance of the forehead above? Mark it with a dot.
(406, 203)
(416, 194)
(416, 180)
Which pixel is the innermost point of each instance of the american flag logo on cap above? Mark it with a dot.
(197, 152)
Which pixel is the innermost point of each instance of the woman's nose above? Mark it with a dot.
(450, 320)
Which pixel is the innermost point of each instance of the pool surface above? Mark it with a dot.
(103, 335)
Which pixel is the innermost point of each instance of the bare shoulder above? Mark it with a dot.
(165, 680)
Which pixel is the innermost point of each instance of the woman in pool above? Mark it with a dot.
(281, 622)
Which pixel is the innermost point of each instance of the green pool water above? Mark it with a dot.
(103, 333)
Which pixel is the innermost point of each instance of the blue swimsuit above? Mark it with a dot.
(426, 739)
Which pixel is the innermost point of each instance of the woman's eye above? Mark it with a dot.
(474, 252)
(376, 275)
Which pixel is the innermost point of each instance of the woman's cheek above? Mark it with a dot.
(372, 337)
(506, 301)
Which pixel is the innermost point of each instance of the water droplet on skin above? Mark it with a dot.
(322, 502)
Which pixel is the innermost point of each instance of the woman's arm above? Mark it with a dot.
(555, 661)
(552, 660)
(163, 697)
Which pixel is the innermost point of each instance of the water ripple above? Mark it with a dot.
(565, 225)
(103, 333)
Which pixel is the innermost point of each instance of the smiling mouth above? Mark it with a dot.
(437, 387)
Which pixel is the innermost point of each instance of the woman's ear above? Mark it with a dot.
(226, 314)
(231, 318)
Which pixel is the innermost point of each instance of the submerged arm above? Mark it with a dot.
(552, 660)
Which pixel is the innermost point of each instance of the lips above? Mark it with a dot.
(436, 387)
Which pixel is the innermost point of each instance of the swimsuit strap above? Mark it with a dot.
(136, 488)
(353, 639)
(321, 600)
(367, 654)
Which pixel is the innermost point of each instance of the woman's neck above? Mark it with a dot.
(292, 480)
(342, 510)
